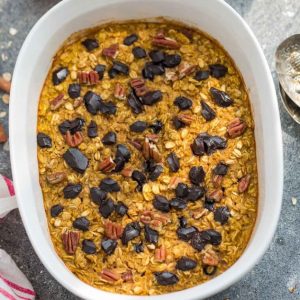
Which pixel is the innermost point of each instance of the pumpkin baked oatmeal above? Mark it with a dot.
(147, 157)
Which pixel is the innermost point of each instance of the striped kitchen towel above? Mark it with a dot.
(13, 283)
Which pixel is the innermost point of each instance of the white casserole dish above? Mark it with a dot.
(214, 17)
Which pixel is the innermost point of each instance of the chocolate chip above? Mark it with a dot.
(181, 190)
(173, 162)
(161, 203)
(92, 102)
(59, 75)
(209, 204)
(195, 193)
(196, 175)
(198, 241)
(74, 90)
(207, 112)
(138, 248)
(151, 235)
(56, 210)
(131, 231)
(135, 103)
(185, 233)
(123, 151)
(76, 160)
(212, 237)
(109, 138)
(186, 264)
(151, 70)
(71, 125)
(139, 52)
(218, 70)
(92, 130)
(108, 246)
(207, 144)
(44, 140)
(107, 108)
(81, 223)
(220, 98)
(151, 97)
(201, 75)
(119, 164)
(88, 247)
(166, 278)
(156, 126)
(177, 123)
(71, 191)
(97, 195)
(100, 69)
(182, 222)
(222, 214)
(109, 185)
(139, 177)
(183, 103)
(157, 56)
(118, 68)
(221, 169)
(172, 60)
(155, 172)
(138, 126)
(178, 203)
(121, 209)
(130, 39)
(106, 208)
(90, 44)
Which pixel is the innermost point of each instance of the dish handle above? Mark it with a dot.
(7, 204)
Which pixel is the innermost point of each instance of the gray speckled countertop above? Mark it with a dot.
(279, 271)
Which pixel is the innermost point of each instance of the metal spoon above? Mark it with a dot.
(290, 106)
(287, 58)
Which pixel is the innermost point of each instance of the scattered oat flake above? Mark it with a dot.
(6, 146)
(3, 114)
(5, 98)
(6, 76)
(294, 200)
(13, 31)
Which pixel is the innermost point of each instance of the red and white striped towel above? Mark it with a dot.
(13, 283)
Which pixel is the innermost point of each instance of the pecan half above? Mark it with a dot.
(244, 183)
(139, 86)
(107, 165)
(174, 182)
(73, 140)
(3, 135)
(216, 195)
(127, 276)
(5, 85)
(137, 144)
(186, 118)
(57, 102)
(185, 69)
(217, 180)
(171, 75)
(89, 78)
(127, 172)
(111, 51)
(120, 91)
(236, 128)
(152, 137)
(210, 258)
(150, 150)
(199, 213)
(160, 254)
(154, 219)
(113, 230)
(109, 276)
(70, 240)
(57, 177)
(160, 40)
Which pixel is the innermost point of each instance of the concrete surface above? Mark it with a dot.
(277, 276)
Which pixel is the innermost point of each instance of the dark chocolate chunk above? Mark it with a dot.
(139, 52)
(156, 126)
(109, 138)
(44, 140)
(74, 90)
(81, 223)
(56, 210)
(71, 125)
(139, 177)
(90, 44)
(178, 203)
(123, 151)
(161, 203)
(196, 175)
(131, 231)
(107, 108)
(151, 235)
(92, 129)
(220, 98)
(202, 75)
(183, 103)
(185, 233)
(157, 56)
(135, 103)
(152, 97)
(92, 102)
(182, 221)
(97, 195)
(138, 248)
(59, 75)
(71, 191)
(171, 60)
(130, 39)
(218, 70)
(109, 185)
(106, 208)
(121, 209)
(181, 190)
(108, 246)
(76, 160)
(173, 162)
(88, 247)
(195, 193)
(186, 264)
(138, 126)
(166, 278)
(221, 169)
(207, 112)
(100, 69)
(222, 214)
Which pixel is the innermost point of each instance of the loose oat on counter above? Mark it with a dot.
(146, 158)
